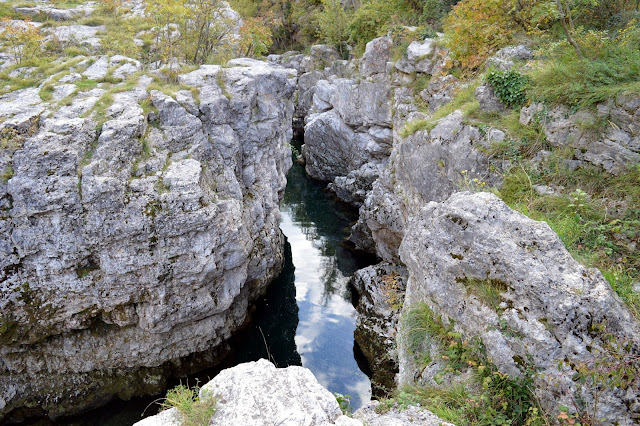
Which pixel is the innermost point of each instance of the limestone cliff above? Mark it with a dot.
(414, 212)
(129, 245)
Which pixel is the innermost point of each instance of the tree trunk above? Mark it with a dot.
(567, 26)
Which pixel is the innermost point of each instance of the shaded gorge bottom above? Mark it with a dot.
(305, 318)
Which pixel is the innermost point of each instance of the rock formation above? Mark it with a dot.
(127, 246)
(257, 393)
(549, 309)
(381, 290)
(554, 307)
(609, 137)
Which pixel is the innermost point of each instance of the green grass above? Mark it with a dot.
(585, 82)
(487, 396)
(464, 100)
(596, 215)
(85, 84)
(194, 410)
(419, 326)
(7, 11)
(45, 67)
(487, 290)
(420, 83)
(7, 174)
(46, 92)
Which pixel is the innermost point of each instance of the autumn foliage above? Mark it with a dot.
(21, 38)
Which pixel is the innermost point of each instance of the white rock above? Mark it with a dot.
(417, 50)
(98, 69)
(257, 393)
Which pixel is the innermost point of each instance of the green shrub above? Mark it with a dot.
(344, 401)
(370, 21)
(493, 399)
(426, 32)
(510, 86)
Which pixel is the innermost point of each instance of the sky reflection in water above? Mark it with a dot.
(315, 227)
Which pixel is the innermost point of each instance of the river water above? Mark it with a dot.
(305, 318)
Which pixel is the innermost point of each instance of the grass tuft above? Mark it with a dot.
(195, 407)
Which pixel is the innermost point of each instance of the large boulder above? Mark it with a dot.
(551, 314)
(322, 62)
(380, 291)
(258, 393)
(128, 247)
(348, 134)
(419, 57)
(425, 166)
(376, 55)
(505, 58)
(488, 99)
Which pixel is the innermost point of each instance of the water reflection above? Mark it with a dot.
(305, 318)
(315, 226)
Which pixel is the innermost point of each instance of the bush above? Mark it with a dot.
(21, 38)
(475, 29)
(370, 21)
(426, 32)
(255, 36)
(510, 86)
(332, 24)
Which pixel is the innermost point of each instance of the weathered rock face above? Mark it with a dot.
(348, 132)
(348, 129)
(488, 99)
(505, 58)
(322, 62)
(127, 248)
(426, 166)
(381, 294)
(396, 416)
(550, 307)
(258, 393)
(57, 14)
(615, 143)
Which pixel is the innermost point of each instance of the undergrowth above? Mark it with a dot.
(464, 100)
(611, 68)
(492, 397)
(596, 215)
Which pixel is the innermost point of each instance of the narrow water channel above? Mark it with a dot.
(315, 226)
(305, 318)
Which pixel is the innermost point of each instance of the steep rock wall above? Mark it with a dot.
(550, 313)
(129, 247)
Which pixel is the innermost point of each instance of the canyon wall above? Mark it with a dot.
(135, 236)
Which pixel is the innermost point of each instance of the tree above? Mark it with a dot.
(255, 37)
(22, 38)
(332, 24)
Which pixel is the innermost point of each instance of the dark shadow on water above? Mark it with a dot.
(307, 309)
